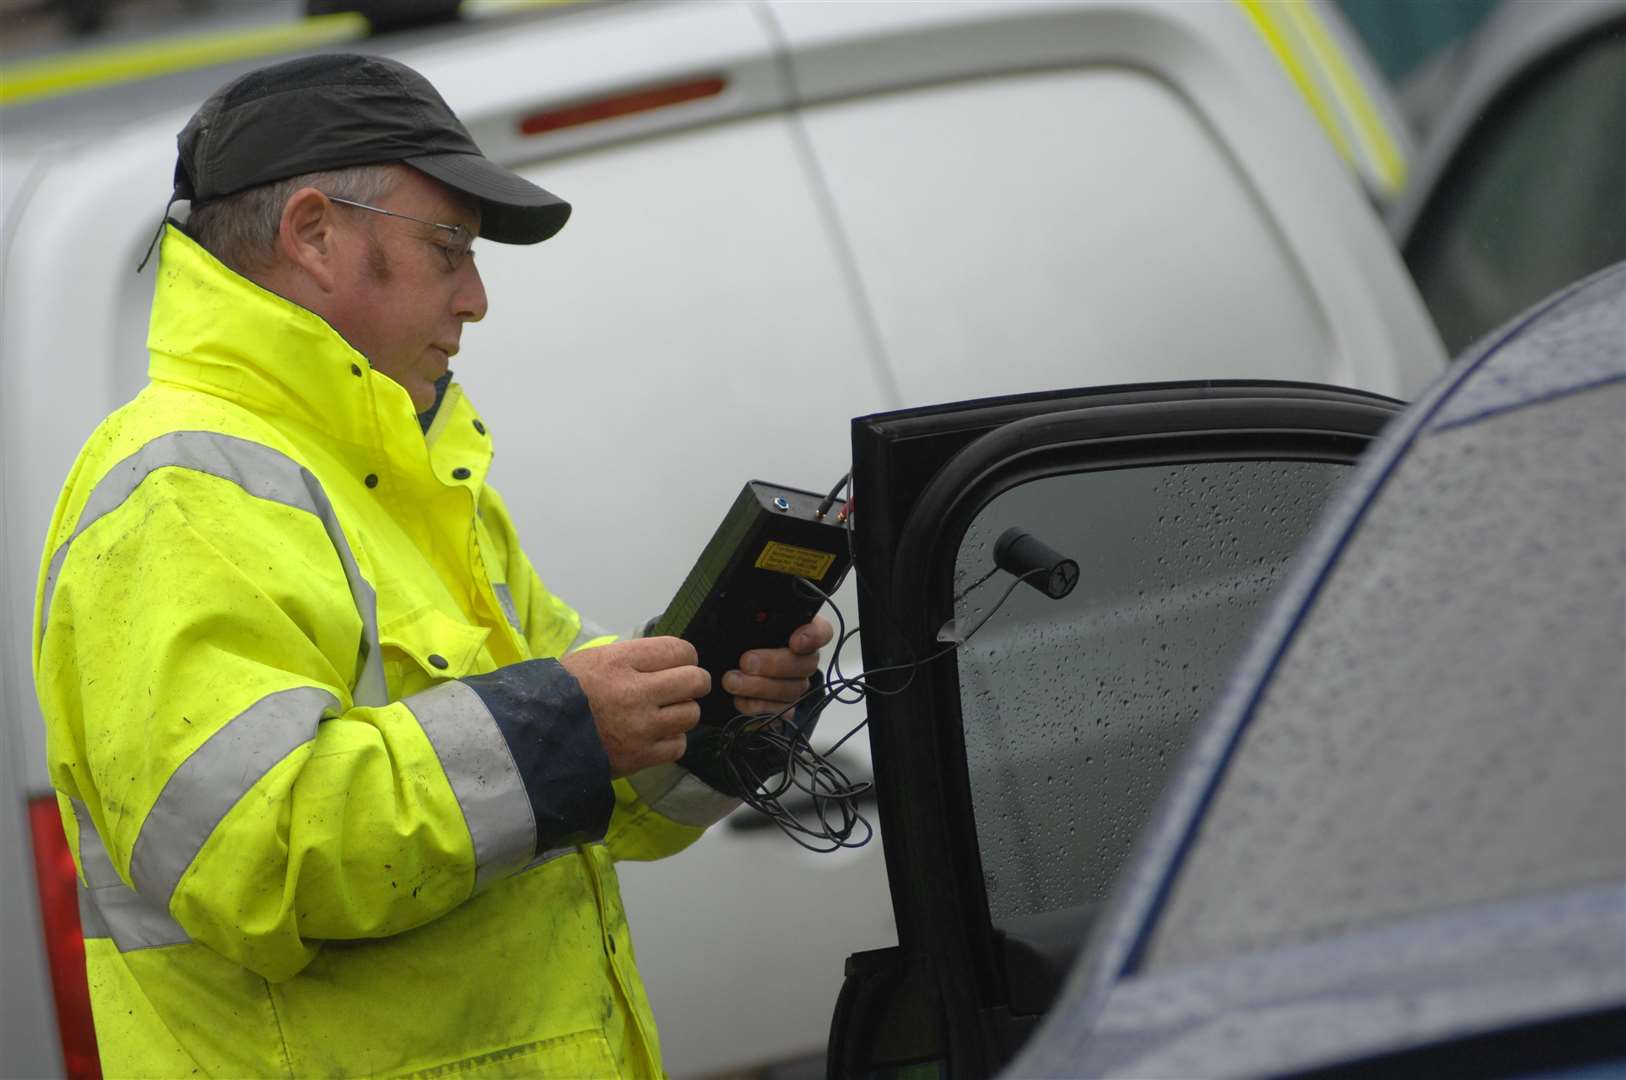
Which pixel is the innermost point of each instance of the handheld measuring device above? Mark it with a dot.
(744, 591)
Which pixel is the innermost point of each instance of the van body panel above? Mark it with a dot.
(729, 345)
(602, 53)
(1169, 270)
(1380, 336)
(27, 1015)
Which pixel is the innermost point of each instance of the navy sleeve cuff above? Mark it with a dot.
(543, 714)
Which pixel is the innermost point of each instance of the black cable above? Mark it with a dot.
(963, 593)
(768, 755)
(830, 499)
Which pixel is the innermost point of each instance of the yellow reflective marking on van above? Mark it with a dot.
(125, 63)
(1277, 36)
(1374, 134)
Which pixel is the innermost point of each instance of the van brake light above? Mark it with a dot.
(590, 112)
(64, 939)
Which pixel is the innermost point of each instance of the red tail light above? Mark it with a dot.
(609, 108)
(64, 939)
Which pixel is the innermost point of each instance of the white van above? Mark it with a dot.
(787, 214)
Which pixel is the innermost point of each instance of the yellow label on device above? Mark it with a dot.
(800, 561)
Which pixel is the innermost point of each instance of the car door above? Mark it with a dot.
(1014, 771)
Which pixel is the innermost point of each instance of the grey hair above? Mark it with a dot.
(241, 229)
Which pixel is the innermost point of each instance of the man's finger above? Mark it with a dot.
(812, 637)
(759, 707)
(660, 653)
(673, 748)
(667, 750)
(779, 663)
(676, 685)
(673, 720)
(762, 688)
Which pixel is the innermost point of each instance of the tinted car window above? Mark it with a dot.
(1075, 709)
(1418, 749)
(1533, 201)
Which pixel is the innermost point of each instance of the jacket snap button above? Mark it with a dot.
(481, 428)
(372, 479)
(438, 661)
(612, 944)
(460, 473)
(354, 370)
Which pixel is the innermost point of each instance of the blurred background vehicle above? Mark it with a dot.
(787, 214)
(1518, 190)
(1417, 47)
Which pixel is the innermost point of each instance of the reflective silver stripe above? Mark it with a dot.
(93, 857)
(110, 908)
(476, 759)
(506, 600)
(265, 474)
(90, 917)
(679, 795)
(134, 922)
(588, 632)
(215, 777)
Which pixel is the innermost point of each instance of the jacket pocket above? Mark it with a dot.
(585, 1054)
(429, 646)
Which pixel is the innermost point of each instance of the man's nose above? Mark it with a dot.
(469, 302)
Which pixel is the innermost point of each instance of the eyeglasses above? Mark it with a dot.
(458, 246)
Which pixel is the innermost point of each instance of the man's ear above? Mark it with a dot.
(308, 236)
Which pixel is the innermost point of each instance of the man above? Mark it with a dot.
(344, 781)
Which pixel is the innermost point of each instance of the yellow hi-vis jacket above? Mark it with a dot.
(335, 811)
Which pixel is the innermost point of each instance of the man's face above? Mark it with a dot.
(400, 304)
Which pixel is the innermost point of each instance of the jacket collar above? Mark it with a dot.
(215, 331)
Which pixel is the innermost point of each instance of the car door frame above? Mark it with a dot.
(919, 477)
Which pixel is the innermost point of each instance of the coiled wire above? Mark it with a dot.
(770, 758)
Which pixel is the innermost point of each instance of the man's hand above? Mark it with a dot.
(770, 679)
(643, 694)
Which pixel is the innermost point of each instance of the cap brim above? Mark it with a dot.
(512, 209)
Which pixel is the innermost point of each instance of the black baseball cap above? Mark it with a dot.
(336, 110)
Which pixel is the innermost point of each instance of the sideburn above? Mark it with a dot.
(378, 263)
